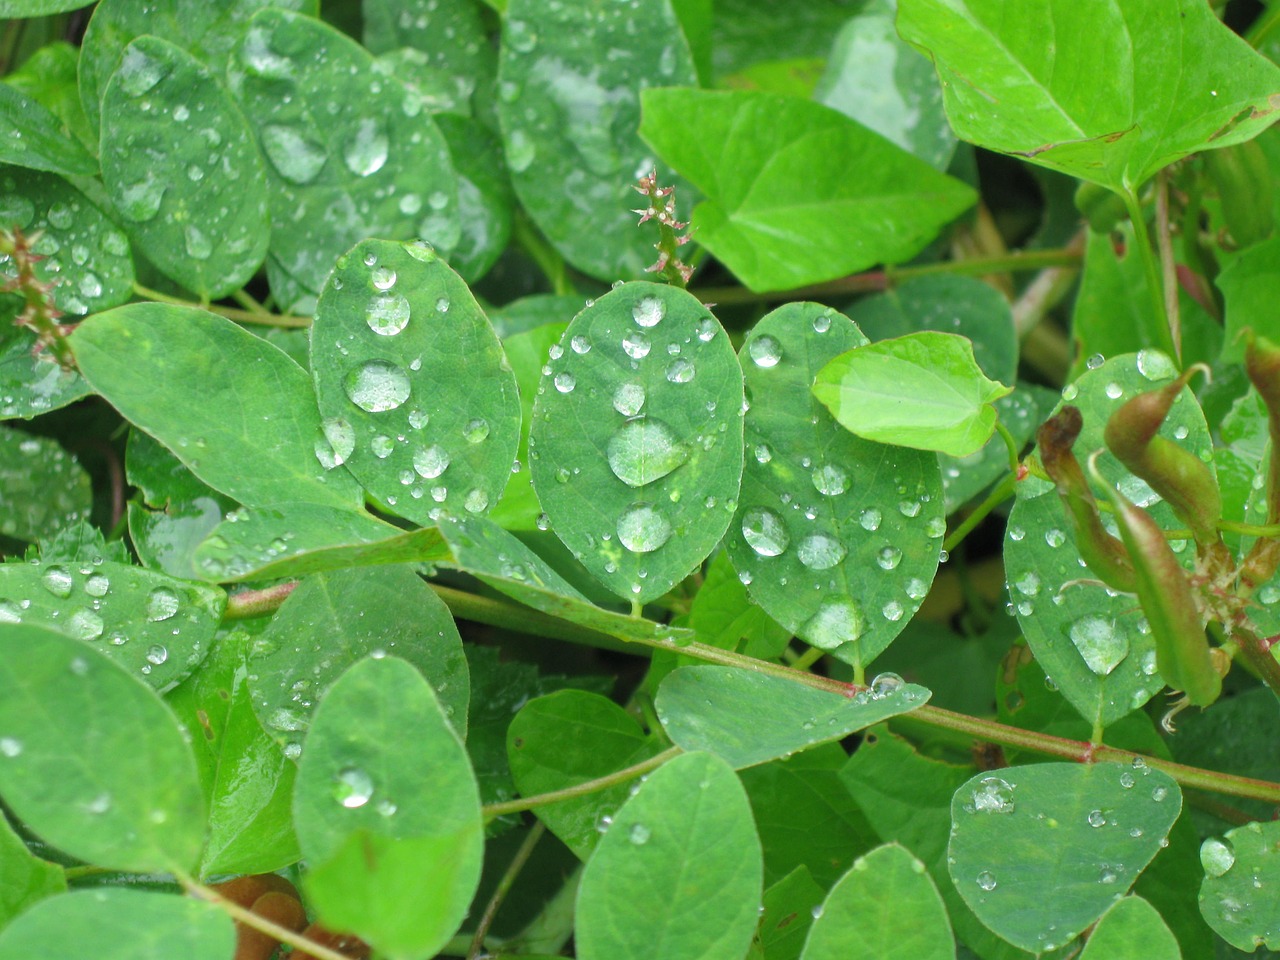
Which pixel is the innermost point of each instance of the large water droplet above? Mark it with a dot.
(1217, 856)
(765, 351)
(97, 585)
(870, 519)
(629, 399)
(366, 152)
(765, 532)
(1101, 643)
(836, 623)
(388, 315)
(680, 370)
(162, 603)
(377, 385)
(644, 450)
(157, 654)
(992, 795)
(636, 344)
(642, 529)
(140, 201)
(476, 430)
(565, 381)
(986, 880)
(58, 581)
(649, 311)
(295, 156)
(830, 479)
(476, 501)
(353, 789)
(1154, 365)
(820, 551)
(138, 72)
(337, 444)
(431, 461)
(888, 558)
(197, 242)
(85, 625)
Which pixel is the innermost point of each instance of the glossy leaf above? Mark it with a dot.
(42, 487)
(924, 390)
(636, 444)
(1109, 92)
(722, 616)
(485, 198)
(24, 878)
(567, 738)
(569, 84)
(121, 924)
(1039, 852)
(393, 326)
(330, 622)
(152, 625)
(1131, 929)
(747, 718)
(1239, 868)
(884, 908)
(1249, 287)
(360, 817)
(32, 137)
(836, 537)
(86, 256)
(687, 841)
(29, 384)
(90, 758)
(255, 404)
(350, 154)
(451, 34)
(1096, 647)
(789, 906)
(195, 205)
(781, 209)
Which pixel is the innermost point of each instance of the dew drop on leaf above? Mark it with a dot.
(10, 747)
(353, 788)
(1100, 642)
(162, 603)
(85, 625)
(892, 611)
(629, 399)
(643, 529)
(830, 480)
(639, 834)
(565, 382)
(636, 344)
(765, 532)
(476, 430)
(885, 684)
(888, 558)
(821, 551)
(992, 795)
(157, 654)
(295, 156)
(1217, 856)
(836, 622)
(430, 462)
(1154, 365)
(870, 519)
(649, 311)
(765, 351)
(97, 585)
(680, 370)
(377, 385)
(388, 315)
(381, 446)
(366, 152)
(476, 501)
(644, 450)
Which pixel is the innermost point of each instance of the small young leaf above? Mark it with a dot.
(924, 390)
(24, 877)
(42, 487)
(1131, 929)
(91, 759)
(678, 873)
(1240, 865)
(380, 812)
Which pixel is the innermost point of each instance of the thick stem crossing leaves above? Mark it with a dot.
(418, 399)
(91, 759)
(636, 444)
(837, 537)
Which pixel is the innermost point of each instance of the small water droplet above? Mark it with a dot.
(642, 528)
(1114, 391)
(430, 462)
(636, 344)
(353, 788)
(1154, 365)
(992, 795)
(1097, 818)
(58, 581)
(1101, 642)
(1217, 856)
(629, 399)
(765, 532)
(892, 611)
(388, 315)
(580, 344)
(986, 880)
(382, 446)
(649, 311)
(97, 585)
(366, 152)
(888, 557)
(10, 747)
(476, 501)
(830, 480)
(476, 430)
(870, 519)
(639, 834)
(565, 382)
(157, 654)
(765, 351)
(643, 450)
(836, 622)
(1095, 361)
(885, 685)
(680, 370)
(1055, 537)
(822, 323)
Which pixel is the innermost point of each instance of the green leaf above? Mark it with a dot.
(678, 873)
(395, 328)
(570, 82)
(246, 779)
(884, 908)
(788, 905)
(254, 404)
(1238, 868)
(1021, 412)
(567, 738)
(195, 204)
(361, 819)
(924, 390)
(120, 925)
(1109, 92)
(150, 624)
(350, 153)
(30, 383)
(875, 78)
(91, 759)
(1039, 852)
(749, 718)
(835, 536)
(42, 487)
(782, 209)
(1091, 644)
(48, 76)
(636, 444)
(485, 198)
(331, 621)
(1131, 929)
(24, 878)
(1249, 288)
(722, 616)
(86, 256)
(32, 137)
(38, 8)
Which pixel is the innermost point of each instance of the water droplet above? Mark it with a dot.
(1217, 856)
(366, 152)
(1095, 361)
(935, 527)
(97, 585)
(1159, 793)
(98, 804)
(58, 581)
(197, 242)
(139, 73)
(388, 315)
(1114, 391)
(418, 418)
(629, 399)
(85, 625)
(992, 795)
(1016, 533)
(1154, 365)
(643, 450)
(892, 611)
(580, 344)
(1055, 537)
(870, 519)
(680, 370)
(836, 623)
(888, 557)
(157, 654)
(830, 480)
(162, 603)
(636, 344)
(353, 789)
(10, 747)
(885, 685)
(639, 834)
(565, 382)
(1097, 818)
(377, 386)
(649, 311)
(822, 323)
(765, 351)
(382, 446)
(1100, 642)
(476, 430)
(765, 532)
(909, 508)
(643, 529)
(1028, 583)
(295, 156)
(476, 501)
(707, 329)
(337, 444)
(1126, 780)
(1107, 874)
(383, 278)
(986, 880)
(430, 462)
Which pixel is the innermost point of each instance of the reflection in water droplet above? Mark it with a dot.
(765, 351)
(381, 446)
(822, 323)
(353, 789)
(643, 450)
(85, 625)
(197, 242)
(138, 72)
(636, 344)
(295, 156)
(830, 480)
(58, 581)
(477, 501)
(986, 880)
(680, 370)
(366, 152)
(476, 430)
(388, 315)
(1154, 365)
(1217, 856)
(870, 519)
(337, 444)
(565, 382)
(765, 532)
(888, 557)
(649, 311)
(820, 551)
(97, 585)
(1101, 642)
(157, 654)
(162, 603)
(642, 529)
(892, 611)
(836, 623)
(628, 399)
(707, 329)
(377, 385)
(580, 345)
(885, 685)
(639, 834)
(992, 795)
(430, 462)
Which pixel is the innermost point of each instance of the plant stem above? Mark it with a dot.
(1011, 444)
(493, 810)
(543, 254)
(1257, 653)
(808, 658)
(504, 887)
(231, 313)
(1155, 285)
(997, 496)
(251, 919)
(1168, 269)
(257, 603)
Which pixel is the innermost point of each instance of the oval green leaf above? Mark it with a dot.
(32, 137)
(27, 878)
(1237, 897)
(636, 443)
(42, 487)
(379, 744)
(1131, 930)
(411, 377)
(837, 537)
(686, 838)
(91, 759)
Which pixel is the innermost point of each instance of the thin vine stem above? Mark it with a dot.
(260, 318)
(624, 775)
(251, 919)
(997, 496)
(1151, 268)
(504, 887)
(1168, 269)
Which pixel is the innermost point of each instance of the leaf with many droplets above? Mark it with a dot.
(31, 383)
(885, 908)
(1040, 852)
(179, 163)
(835, 536)
(120, 924)
(361, 820)
(636, 443)
(333, 620)
(686, 838)
(91, 759)
(86, 257)
(749, 718)
(27, 878)
(567, 738)
(152, 625)
(451, 33)
(1095, 645)
(1131, 929)
(254, 405)
(569, 82)
(782, 209)
(350, 151)
(1021, 412)
(1237, 897)
(42, 487)
(395, 328)
(32, 137)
